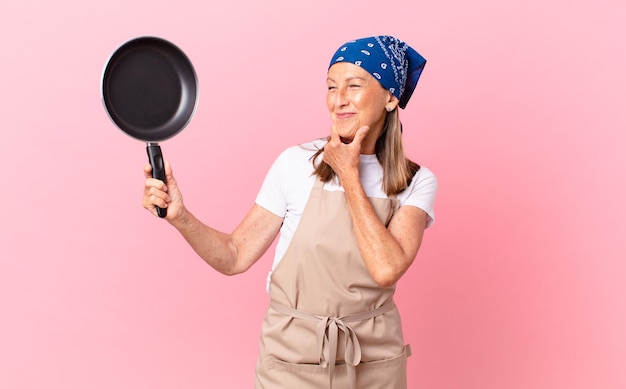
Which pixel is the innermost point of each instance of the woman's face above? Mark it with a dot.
(356, 99)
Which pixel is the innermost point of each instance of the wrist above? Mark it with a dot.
(183, 219)
(350, 179)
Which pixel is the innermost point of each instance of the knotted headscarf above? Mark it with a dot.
(395, 65)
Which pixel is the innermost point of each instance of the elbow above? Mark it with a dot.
(229, 272)
(232, 270)
(229, 264)
(386, 279)
(388, 275)
(385, 283)
(227, 268)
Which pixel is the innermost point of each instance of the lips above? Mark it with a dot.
(344, 115)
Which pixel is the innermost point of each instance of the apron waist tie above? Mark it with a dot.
(328, 332)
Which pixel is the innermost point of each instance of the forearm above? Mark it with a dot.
(214, 247)
(383, 255)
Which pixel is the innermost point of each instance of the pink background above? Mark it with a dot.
(520, 112)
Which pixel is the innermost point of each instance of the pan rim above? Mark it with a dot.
(161, 132)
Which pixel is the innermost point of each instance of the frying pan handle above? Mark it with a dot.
(158, 168)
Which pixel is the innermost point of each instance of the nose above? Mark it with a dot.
(340, 97)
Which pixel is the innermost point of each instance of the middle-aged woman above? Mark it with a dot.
(351, 211)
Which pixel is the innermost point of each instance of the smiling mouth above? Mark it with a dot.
(344, 115)
(346, 141)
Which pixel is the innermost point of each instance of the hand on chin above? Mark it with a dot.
(350, 135)
(346, 134)
(346, 140)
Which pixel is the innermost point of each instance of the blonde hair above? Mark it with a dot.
(398, 170)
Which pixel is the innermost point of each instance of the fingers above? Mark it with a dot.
(155, 191)
(361, 133)
(169, 176)
(155, 197)
(147, 170)
(354, 142)
(169, 173)
(334, 135)
(158, 194)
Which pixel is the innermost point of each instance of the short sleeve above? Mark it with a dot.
(422, 193)
(271, 196)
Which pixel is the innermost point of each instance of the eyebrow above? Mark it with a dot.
(348, 79)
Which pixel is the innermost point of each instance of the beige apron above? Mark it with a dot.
(329, 325)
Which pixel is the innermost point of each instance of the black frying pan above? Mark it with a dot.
(150, 91)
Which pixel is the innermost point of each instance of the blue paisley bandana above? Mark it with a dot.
(391, 61)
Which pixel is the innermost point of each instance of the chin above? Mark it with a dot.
(346, 138)
(346, 131)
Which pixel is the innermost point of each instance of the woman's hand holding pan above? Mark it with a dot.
(164, 195)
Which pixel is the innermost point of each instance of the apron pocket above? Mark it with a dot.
(276, 364)
(279, 374)
(387, 373)
(384, 374)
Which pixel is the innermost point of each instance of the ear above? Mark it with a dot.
(392, 103)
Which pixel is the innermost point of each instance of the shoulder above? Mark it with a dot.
(289, 178)
(422, 193)
(424, 182)
(296, 157)
(304, 150)
(295, 163)
(424, 176)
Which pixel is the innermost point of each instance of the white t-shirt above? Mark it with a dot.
(288, 184)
